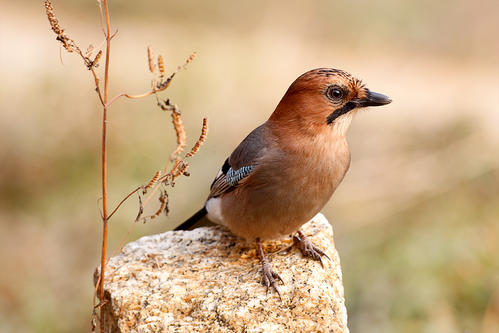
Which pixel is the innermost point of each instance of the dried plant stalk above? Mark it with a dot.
(201, 140)
(95, 62)
(54, 23)
(163, 84)
(152, 182)
(150, 60)
(175, 168)
(182, 169)
(180, 132)
(157, 86)
(69, 44)
(161, 66)
(141, 209)
(163, 199)
(157, 181)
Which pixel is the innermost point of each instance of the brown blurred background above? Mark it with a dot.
(416, 219)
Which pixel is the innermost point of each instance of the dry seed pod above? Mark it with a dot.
(54, 23)
(166, 210)
(141, 210)
(67, 43)
(201, 140)
(95, 62)
(190, 59)
(160, 86)
(167, 106)
(161, 66)
(179, 170)
(150, 59)
(151, 183)
(178, 125)
(163, 199)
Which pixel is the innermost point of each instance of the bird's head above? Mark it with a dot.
(325, 97)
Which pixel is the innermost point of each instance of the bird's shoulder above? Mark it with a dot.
(242, 162)
(251, 148)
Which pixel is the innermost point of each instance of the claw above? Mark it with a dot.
(308, 249)
(269, 277)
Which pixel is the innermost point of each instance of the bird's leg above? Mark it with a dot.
(307, 248)
(269, 277)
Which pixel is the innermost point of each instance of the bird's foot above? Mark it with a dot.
(269, 277)
(308, 249)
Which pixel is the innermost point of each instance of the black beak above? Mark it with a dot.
(373, 99)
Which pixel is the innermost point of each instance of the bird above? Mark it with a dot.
(284, 172)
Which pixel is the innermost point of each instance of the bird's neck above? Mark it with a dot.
(297, 129)
(326, 145)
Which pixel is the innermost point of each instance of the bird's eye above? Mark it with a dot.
(335, 93)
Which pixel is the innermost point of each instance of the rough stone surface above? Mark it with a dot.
(208, 280)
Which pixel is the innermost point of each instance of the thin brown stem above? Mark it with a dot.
(163, 85)
(146, 94)
(104, 166)
(101, 17)
(121, 202)
(114, 35)
(104, 213)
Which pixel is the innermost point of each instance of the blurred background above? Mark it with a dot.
(416, 219)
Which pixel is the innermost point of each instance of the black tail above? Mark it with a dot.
(191, 221)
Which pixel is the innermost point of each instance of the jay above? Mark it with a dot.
(283, 173)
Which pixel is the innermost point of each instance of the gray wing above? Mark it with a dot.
(241, 163)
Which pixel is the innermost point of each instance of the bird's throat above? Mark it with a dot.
(341, 124)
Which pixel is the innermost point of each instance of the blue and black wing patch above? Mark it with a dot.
(228, 179)
(232, 177)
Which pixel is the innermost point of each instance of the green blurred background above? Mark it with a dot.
(416, 219)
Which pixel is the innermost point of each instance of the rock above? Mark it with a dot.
(208, 280)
